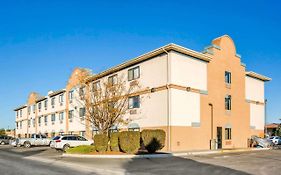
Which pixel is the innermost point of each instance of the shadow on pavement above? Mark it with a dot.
(175, 165)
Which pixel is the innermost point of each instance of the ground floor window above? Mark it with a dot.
(227, 133)
(82, 133)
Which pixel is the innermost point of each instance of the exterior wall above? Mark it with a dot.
(257, 117)
(188, 71)
(185, 108)
(254, 89)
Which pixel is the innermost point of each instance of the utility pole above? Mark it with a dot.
(212, 123)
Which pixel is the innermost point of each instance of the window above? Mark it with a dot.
(133, 73)
(28, 110)
(96, 86)
(53, 102)
(34, 108)
(33, 122)
(20, 124)
(20, 113)
(134, 102)
(29, 123)
(46, 104)
(228, 102)
(227, 76)
(17, 113)
(39, 106)
(39, 121)
(46, 120)
(61, 117)
(112, 80)
(17, 125)
(82, 92)
(53, 118)
(82, 133)
(82, 112)
(70, 95)
(227, 133)
(61, 99)
(70, 115)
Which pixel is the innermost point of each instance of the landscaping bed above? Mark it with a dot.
(124, 143)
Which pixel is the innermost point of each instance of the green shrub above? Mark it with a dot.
(153, 140)
(83, 149)
(114, 141)
(101, 142)
(129, 141)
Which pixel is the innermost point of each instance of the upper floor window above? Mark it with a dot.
(46, 119)
(53, 118)
(53, 102)
(227, 76)
(61, 116)
(134, 102)
(82, 113)
(17, 113)
(34, 108)
(70, 95)
(112, 80)
(61, 98)
(39, 106)
(82, 92)
(39, 120)
(33, 122)
(228, 102)
(46, 104)
(70, 115)
(28, 110)
(96, 86)
(21, 113)
(134, 73)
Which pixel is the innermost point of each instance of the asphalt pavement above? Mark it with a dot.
(43, 160)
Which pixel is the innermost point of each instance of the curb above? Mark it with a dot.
(162, 155)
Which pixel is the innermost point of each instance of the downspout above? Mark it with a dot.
(168, 100)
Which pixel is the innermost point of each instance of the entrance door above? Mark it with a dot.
(219, 137)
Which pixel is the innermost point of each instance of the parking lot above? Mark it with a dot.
(43, 160)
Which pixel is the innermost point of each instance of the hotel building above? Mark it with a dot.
(194, 96)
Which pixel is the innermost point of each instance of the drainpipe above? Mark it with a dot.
(168, 100)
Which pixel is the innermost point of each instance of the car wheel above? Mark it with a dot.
(2, 143)
(27, 145)
(65, 147)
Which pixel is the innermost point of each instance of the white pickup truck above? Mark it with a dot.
(35, 140)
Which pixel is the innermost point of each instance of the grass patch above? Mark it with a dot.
(83, 149)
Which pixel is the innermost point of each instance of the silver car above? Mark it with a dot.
(35, 140)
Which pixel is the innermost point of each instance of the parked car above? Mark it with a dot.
(5, 139)
(53, 142)
(68, 141)
(35, 140)
(275, 139)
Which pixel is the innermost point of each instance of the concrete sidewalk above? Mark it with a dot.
(164, 155)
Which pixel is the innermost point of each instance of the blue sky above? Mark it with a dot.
(41, 42)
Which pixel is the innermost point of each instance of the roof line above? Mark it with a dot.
(258, 76)
(149, 55)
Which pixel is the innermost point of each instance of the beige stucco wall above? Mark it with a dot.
(254, 89)
(188, 71)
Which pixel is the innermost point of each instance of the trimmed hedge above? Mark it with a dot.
(114, 141)
(129, 141)
(83, 149)
(153, 140)
(101, 142)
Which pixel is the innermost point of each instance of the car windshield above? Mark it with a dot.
(56, 138)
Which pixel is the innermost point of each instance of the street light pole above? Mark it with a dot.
(265, 116)
(212, 123)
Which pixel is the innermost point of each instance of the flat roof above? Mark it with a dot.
(20, 107)
(257, 76)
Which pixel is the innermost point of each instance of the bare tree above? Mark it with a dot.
(106, 101)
